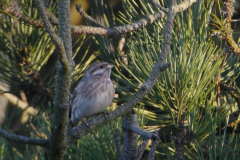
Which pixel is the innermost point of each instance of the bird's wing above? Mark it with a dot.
(74, 95)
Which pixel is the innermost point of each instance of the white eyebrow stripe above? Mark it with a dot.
(99, 71)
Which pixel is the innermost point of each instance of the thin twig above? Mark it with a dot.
(23, 139)
(149, 19)
(87, 17)
(153, 149)
(55, 39)
(165, 10)
(142, 148)
(143, 133)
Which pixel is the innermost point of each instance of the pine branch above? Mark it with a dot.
(143, 133)
(12, 11)
(227, 11)
(142, 148)
(130, 137)
(55, 39)
(110, 32)
(118, 145)
(165, 10)
(153, 149)
(23, 139)
(87, 17)
(82, 130)
(63, 43)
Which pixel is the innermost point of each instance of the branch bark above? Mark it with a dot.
(143, 133)
(57, 145)
(153, 149)
(149, 19)
(102, 30)
(130, 137)
(82, 130)
(118, 144)
(58, 142)
(141, 149)
(23, 139)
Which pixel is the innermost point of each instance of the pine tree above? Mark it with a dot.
(176, 70)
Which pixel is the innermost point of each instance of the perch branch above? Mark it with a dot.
(82, 130)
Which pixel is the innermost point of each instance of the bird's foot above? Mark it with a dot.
(85, 122)
(105, 114)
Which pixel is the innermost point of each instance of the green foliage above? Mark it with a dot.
(187, 89)
(185, 92)
(28, 61)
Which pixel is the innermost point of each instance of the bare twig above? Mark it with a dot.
(87, 17)
(118, 144)
(142, 148)
(153, 149)
(23, 139)
(121, 52)
(184, 5)
(55, 39)
(149, 19)
(165, 10)
(111, 32)
(143, 133)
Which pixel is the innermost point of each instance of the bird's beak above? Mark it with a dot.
(110, 65)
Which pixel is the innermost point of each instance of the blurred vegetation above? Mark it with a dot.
(185, 99)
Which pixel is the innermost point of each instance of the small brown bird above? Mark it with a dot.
(93, 94)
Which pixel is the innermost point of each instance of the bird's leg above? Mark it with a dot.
(105, 114)
(85, 122)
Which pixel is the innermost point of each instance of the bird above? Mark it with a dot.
(93, 94)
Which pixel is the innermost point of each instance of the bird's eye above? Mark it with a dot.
(101, 66)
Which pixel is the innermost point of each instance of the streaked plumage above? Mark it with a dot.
(93, 94)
